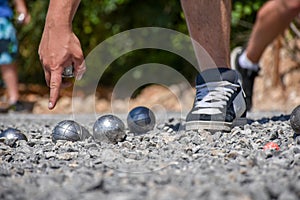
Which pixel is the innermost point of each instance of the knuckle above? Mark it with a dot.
(82, 69)
(53, 85)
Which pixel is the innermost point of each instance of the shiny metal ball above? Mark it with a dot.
(140, 120)
(109, 128)
(12, 133)
(68, 72)
(21, 18)
(295, 120)
(69, 130)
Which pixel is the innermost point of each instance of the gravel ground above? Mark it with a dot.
(166, 163)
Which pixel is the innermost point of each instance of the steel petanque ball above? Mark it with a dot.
(140, 120)
(12, 133)
(295, 120)
(109, 129)
(69, 130)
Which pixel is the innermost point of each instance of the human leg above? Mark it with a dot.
(209, 26)
(272, 19)
(8, 52)
(10, 78)
(219, 97)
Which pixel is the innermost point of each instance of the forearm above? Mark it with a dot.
(59, 46)
(61, 13)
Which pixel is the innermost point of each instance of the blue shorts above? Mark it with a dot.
(8, 41)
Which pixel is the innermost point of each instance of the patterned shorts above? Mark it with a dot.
(8, 41)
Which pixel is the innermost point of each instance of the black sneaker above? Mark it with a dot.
(219, 103)
(248, 75)
(4, 107)
(18, 107)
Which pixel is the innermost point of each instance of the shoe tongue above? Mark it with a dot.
(215, 75)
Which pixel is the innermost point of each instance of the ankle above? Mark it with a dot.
(12, 101)
(246, 63)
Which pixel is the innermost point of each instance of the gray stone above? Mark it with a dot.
(158, 165)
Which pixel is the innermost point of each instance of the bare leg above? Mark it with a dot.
(10, 77)
(209, 25)
(272, 19)
(215, 107)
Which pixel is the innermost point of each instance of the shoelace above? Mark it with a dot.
(214, 94)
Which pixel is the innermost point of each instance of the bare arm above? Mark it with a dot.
(59, 46)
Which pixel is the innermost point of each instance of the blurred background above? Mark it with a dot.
(276, 89)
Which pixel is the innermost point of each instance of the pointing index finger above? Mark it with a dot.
(55, 84)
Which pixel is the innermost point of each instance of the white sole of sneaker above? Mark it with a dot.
(214, 126)
(233, 55)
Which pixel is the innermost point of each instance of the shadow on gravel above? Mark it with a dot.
(265, 120)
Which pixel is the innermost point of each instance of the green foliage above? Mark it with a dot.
(242, 19)
(97, 20)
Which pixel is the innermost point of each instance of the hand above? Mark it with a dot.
(23, 18)
(59, 48)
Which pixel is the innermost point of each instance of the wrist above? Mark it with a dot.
(61, 13)
(54, 24)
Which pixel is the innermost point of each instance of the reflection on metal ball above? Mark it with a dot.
(21, 18)
(69, 130)
(12, 133)
(68, 72)
(109, 128)
(295, 120)
(140, 120)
